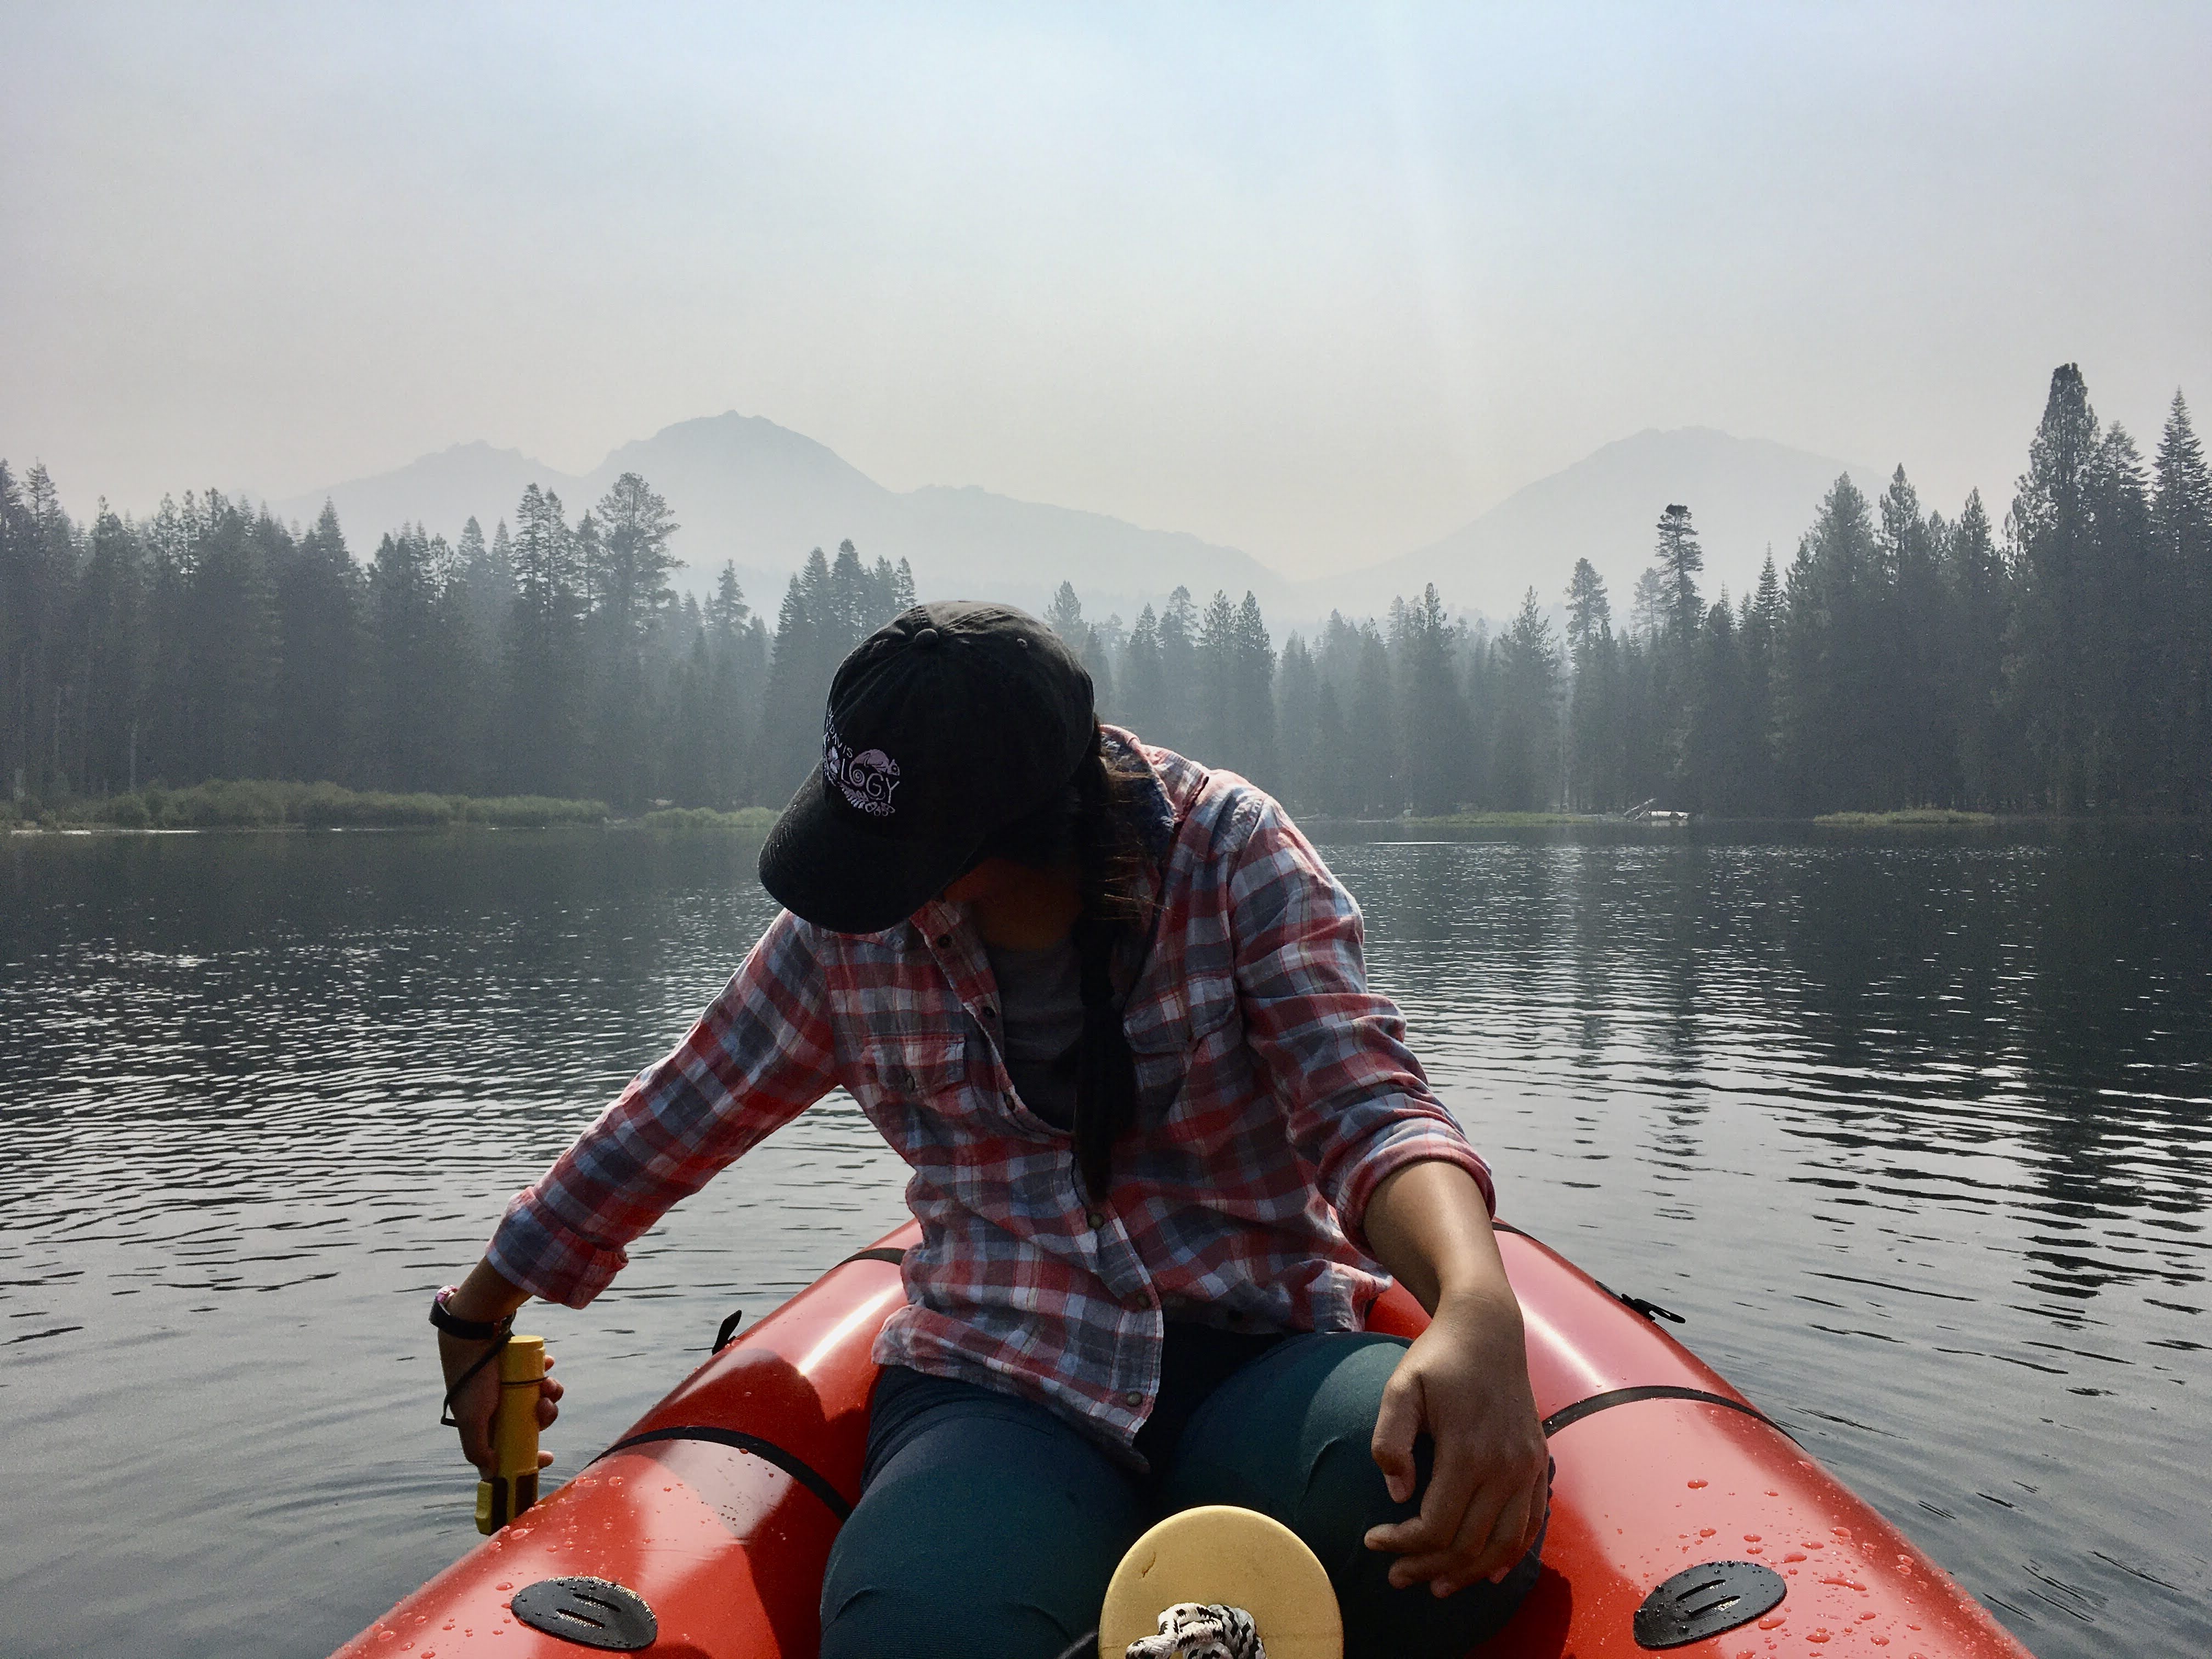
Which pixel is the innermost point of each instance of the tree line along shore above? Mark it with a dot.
(1899, 663)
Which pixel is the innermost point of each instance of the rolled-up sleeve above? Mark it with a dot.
(758, 1056)
(1358, 1106)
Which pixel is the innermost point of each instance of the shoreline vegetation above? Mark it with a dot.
(282, 806)
(1926, 817)
(275, 805)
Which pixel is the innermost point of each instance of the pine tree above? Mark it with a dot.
(2126, 717)
(404, 641)
(1836, 703)
(787, 743)
(1719, 733)
(1371, 764)
(2181, 531)
(38, 570)
(109, 657)
(1297, 705)
(1758, 631)
(1181, 722)
(319, 605)
(1439, 738)
(1591, 717)
(1911, 632)
(1524, 764)
(1143, 682)
(1064, 616)
(624, 544)
(2052, 641)
(1252, 694)
(541, 651)
(1680, 560)
(231, 645)
(1329, 784)
(1220, 743)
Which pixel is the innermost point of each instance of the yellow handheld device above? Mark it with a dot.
(512, 1486)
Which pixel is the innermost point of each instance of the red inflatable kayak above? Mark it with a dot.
(1682, 1520)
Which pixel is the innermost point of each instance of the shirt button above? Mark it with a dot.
(1136, 1302)
(1094, 1219)
(1133, 1398)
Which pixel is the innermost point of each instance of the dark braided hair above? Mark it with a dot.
(1088, 824)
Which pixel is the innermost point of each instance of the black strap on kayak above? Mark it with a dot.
(767, 1451)
(878, 1253)
(728, 1327)
(1603, 1402)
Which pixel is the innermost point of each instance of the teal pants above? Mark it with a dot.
(989, 1526)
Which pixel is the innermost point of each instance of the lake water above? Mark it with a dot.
(1919, 1136)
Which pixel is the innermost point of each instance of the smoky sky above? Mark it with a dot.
(1323, 282)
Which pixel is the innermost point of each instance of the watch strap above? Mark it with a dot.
(469, 1330)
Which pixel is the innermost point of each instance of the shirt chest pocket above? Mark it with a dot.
(1182, 1040)
(918, 1078)
(914, 1067)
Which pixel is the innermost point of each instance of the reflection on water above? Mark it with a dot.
(1916, 1136)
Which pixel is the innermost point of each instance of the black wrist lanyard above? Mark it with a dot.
(445, 1418)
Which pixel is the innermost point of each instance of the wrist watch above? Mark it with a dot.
(469, 1330)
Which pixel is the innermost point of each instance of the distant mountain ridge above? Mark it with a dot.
(1746, 495)
(760, 495)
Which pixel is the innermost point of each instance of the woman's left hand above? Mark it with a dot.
(1465, 1384)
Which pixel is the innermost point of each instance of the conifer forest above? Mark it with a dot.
(2053, 655)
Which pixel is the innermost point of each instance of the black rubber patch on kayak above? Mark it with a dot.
(1602, 1402)
(592, 1612)
(767, 1451)
(879, 1253)
(1705, 1600)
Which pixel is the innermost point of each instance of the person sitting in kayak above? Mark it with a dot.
(1111, 1008)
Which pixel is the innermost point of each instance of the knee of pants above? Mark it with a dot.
(983, 1538)
(1291, 1436)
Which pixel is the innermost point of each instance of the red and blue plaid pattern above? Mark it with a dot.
(1275, 1091)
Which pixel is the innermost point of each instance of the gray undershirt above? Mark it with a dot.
(1041, 1016)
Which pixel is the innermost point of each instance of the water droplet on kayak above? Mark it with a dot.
(1694, 1485)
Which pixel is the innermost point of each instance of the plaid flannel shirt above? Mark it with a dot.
(1275, 1091)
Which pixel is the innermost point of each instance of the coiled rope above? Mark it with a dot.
(1195, 1630)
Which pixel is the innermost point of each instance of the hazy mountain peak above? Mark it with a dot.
(1744, 494)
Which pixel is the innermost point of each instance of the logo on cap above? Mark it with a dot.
(867, 779)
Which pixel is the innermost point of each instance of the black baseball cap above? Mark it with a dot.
(949, 722)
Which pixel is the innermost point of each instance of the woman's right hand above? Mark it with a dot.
(479, 1399)
(489, 1296)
